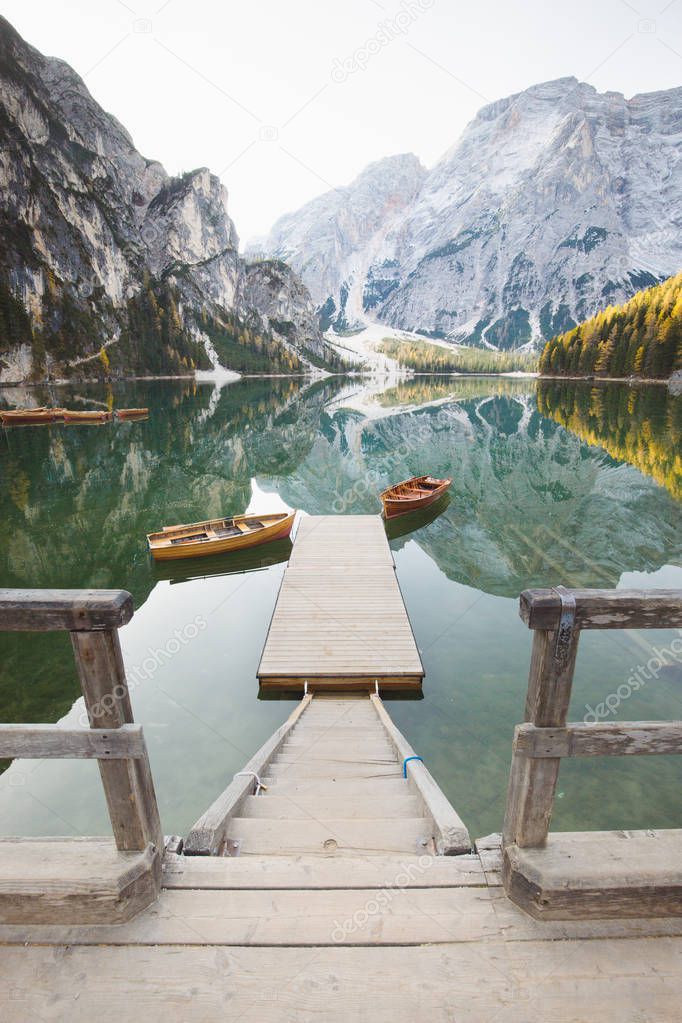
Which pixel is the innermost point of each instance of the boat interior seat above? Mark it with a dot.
(228, 531)
(197, 537)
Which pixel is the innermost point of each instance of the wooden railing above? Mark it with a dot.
(557, 617)
(92, 617)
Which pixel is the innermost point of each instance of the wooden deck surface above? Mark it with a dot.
(336, 908)
(340, 619)
(385, 939)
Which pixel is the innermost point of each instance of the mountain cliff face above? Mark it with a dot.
(107, 263)
(334, 241)
(554, 203)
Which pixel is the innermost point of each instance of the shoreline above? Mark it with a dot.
(608, 380)
(355, 374)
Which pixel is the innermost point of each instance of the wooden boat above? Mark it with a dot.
(31, 416)
(87, 416)
(402, 525)
(216, 536)
(131, 413)
(413, 494)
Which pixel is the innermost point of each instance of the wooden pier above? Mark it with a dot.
(332, 880)
(340, 620)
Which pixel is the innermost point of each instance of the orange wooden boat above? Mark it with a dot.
(217, 536)
(31, 416)
(412, 495)
(131, 413)
(86, 416)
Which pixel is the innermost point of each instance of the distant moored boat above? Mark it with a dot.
(86, 416)
(16, 417)
(413, 494)
(131, 413)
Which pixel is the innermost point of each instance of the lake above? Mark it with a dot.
(554, 482)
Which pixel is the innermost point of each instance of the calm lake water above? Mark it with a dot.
(553, 483)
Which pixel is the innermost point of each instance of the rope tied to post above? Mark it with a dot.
(406, 762)
(252, 774)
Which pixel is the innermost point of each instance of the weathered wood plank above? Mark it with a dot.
(310, 917)
(39, 741)
(587, 875)
(48, 610)
(68, 881)
(605, 980)
(600, 739)
(451, 836)
(324, 872)
(329, 805)
(352, 837)
(605, 609)
(208, 832)
(128, 784)
(532, 783)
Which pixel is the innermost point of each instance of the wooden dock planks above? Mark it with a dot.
(340, 619)
(333, 785)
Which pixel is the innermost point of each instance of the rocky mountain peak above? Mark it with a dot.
(554, 202)
(102, 249)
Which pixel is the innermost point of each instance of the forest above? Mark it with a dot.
(639, 425)
(641, 338)
(429, 358)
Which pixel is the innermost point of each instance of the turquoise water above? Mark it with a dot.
(584, 492)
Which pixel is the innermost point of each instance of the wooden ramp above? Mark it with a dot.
(338, 779)
(340, 620)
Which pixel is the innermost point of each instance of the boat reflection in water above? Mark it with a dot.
(253, 559)
(403, 524)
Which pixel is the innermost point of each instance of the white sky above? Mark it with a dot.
(252, 89)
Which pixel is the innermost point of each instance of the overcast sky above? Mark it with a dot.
(287, 98)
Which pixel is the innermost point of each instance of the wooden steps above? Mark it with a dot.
(330, 836)
(284, 822)
(340, 620)
(318, 806)
(333, 785)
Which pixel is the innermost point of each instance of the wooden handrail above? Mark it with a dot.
(604, 609)
(71, 610)
(607, 739)
(92, 617)
(42, 741)
(558, 616)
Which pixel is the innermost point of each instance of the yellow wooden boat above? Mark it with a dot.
(216, 536)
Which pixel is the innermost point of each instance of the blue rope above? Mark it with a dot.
(406, 762)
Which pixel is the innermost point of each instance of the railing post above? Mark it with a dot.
(532, 782)
(128, 784)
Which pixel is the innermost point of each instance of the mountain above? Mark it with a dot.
(335, 240)
(553, 203)
(109, 264)
(643, 337)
